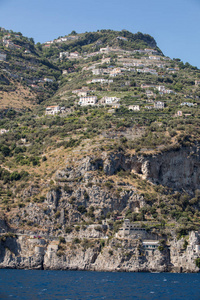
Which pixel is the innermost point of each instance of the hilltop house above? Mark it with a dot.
(122, 38)
(84, 101)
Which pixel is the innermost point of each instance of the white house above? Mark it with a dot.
(134, 107)
(100, 80)
(97, 71)
(106, 60)
(74, 54)
(84, 101)
(3, 130)
(122, 38)
(52, 110)
(154, 57)
(104, 50)
(187, 103)
(159, 105)
(63, 54)
(48, 79)
(109, 100)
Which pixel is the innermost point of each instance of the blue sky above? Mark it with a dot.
(173, 23)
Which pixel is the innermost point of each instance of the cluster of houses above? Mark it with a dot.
(107, 71)
(153, 54)
(69, 55)
(61, 40)
(162, 90)
(92, 100)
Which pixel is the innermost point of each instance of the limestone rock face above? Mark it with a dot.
(176, 169)
(89, 253)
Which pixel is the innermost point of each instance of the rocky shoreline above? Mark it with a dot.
(113, 255)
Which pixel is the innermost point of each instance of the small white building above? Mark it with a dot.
(179, 113)
(154, 57)
(48, 80)
(109, 100)
(3, 130)
(97, 71)
(187, 104)
(52, 110)
(63, 54)
(74, 54)
(82, 94)
(159, 105)
(105, 50)
(106, 60)
(85, 101)
(134, 107)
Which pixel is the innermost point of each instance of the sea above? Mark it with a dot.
(83, 285)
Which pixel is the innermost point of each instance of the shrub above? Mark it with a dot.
(76, 241)
(82, 209)
(110, 252)
(57, 214)
(68, 229)
(197, 262)
(62, 239)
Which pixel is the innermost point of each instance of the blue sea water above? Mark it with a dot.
(75, 285)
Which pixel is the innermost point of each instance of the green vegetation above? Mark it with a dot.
(34, 145)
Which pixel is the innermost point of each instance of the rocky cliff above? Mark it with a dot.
(31, 252)
(86, 192)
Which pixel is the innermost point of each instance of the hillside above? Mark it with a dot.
(97, 128)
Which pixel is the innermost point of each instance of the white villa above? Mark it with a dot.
(84, 101)
(52, 110)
